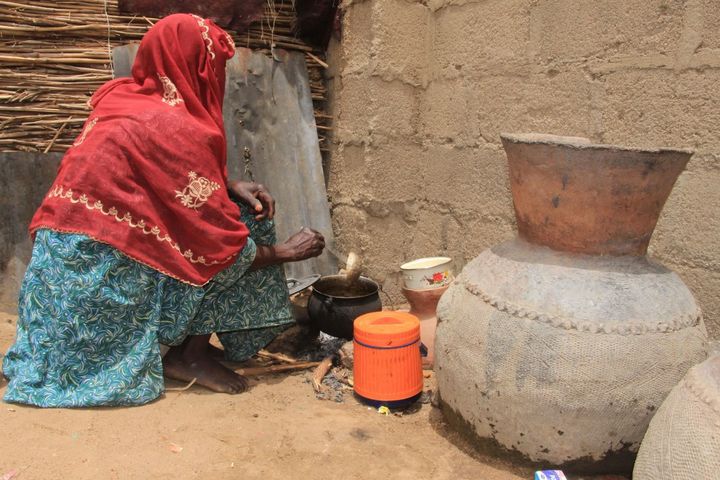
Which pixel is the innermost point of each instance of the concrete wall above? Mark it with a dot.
(25, 178)
(421, 91)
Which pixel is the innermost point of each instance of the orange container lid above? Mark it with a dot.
(387, 329)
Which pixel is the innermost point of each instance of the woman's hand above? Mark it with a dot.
(256, 196)
(307, 243)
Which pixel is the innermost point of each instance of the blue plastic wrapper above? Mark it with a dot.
(550, 475)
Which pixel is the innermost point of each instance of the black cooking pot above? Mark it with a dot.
(334, 306)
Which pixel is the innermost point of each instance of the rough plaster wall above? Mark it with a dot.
(421, 91)
(24, 180)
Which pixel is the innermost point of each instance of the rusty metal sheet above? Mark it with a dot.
(122, 59)
(269, 118)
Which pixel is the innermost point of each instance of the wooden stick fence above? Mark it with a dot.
(54, 55)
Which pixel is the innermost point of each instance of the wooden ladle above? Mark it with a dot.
(353, 268)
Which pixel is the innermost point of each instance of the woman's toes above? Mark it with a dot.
(239, 384)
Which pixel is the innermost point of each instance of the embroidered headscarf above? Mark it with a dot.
(148, 174)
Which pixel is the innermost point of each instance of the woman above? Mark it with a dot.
(139, 242)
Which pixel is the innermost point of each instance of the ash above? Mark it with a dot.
(323, 347)
(334, 387)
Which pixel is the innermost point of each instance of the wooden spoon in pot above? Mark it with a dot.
(353, 268)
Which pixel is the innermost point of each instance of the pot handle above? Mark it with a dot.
(327, 302)
(387, 295)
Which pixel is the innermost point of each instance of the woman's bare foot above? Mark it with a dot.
(192, 360)
(215, 352)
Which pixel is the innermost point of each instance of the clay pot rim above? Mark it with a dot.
(582, 143)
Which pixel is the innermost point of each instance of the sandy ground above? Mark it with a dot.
(276, 430)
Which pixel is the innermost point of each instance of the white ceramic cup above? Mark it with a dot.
(427, 273)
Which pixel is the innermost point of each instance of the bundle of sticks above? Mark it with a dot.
(265, 363)
(53, 55)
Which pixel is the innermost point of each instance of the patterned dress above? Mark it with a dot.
(91, 320)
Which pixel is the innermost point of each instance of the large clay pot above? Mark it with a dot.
(683, 441)
(558, 346)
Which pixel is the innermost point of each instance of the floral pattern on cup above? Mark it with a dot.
(438, 278)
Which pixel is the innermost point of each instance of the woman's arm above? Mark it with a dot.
(307, 243)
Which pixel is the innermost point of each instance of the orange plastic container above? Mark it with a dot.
(387, 364)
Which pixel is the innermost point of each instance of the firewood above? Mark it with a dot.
(320, 371)
(258, 371)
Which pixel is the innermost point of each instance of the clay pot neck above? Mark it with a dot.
(423, 303)
(575, 196)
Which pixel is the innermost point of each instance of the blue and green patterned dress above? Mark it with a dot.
(91, 320)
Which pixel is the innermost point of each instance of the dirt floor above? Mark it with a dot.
(279, 429)
(276, 430)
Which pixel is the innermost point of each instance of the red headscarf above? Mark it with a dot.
(148, 173)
